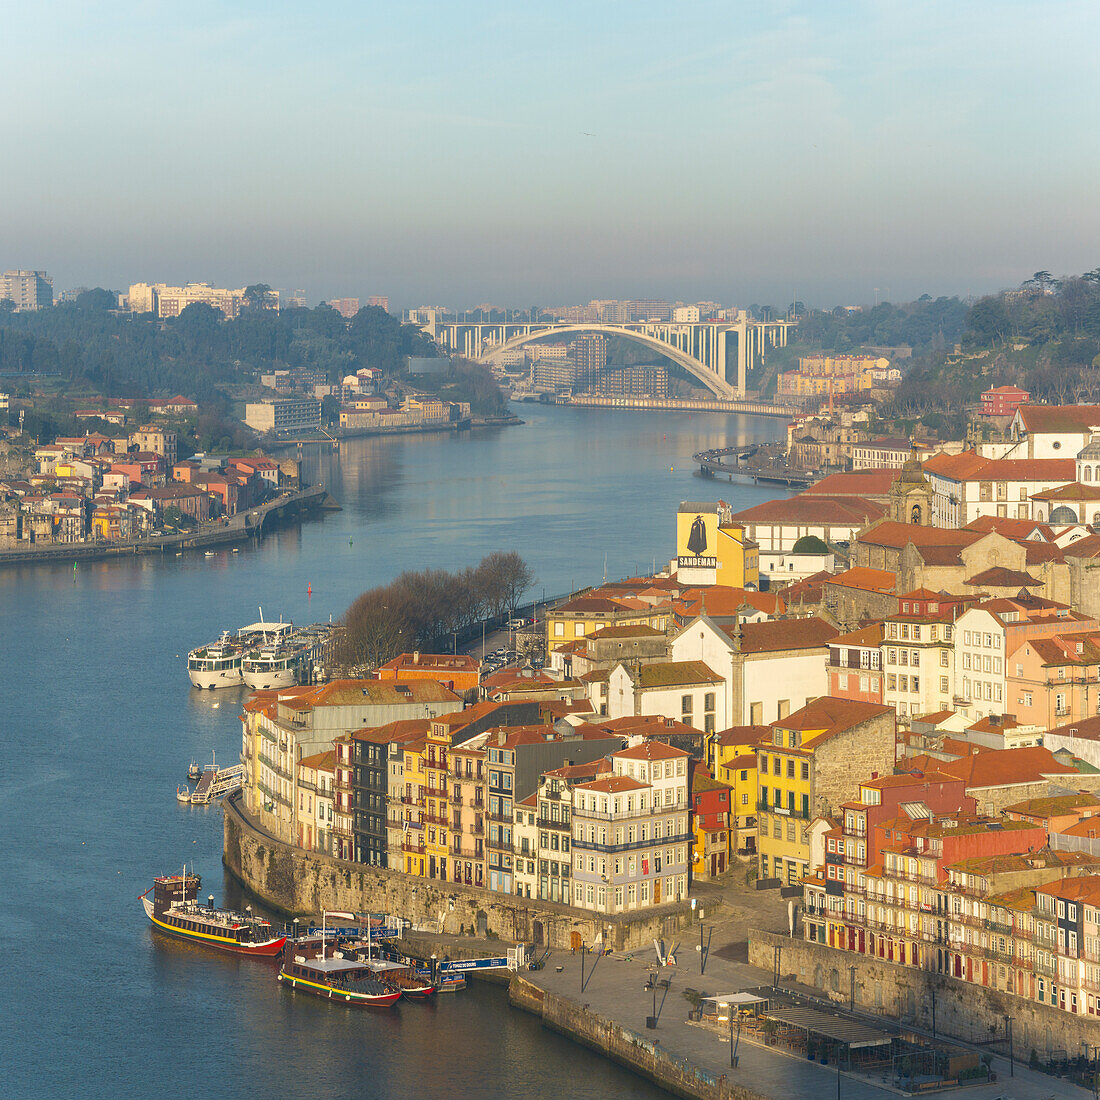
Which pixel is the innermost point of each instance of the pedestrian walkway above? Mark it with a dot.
(615, 986)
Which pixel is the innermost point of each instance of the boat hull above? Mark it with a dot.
(222, 678)
(269, 949)
(331, 993)
(270, 681)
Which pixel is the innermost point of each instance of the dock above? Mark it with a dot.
(215, 783)
(729, 461)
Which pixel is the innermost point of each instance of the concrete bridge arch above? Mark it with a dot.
(715, 382)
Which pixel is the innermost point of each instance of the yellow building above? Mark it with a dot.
(738, 558)
(712, 549)
(586, 614)
(814, 763)
(731, 757)
(414, 848)
(435, 801)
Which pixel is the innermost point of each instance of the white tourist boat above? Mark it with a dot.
(218, 665)
(286, 660)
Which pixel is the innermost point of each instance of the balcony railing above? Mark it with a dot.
(413, 849)
(546, 823)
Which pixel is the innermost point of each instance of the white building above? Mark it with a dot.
(632, 832)
(767, 669)
(1053, 431)
(918, 653)
(525, 842)
(688, 691)
(27, 290)
(685, 315)
(966, 486)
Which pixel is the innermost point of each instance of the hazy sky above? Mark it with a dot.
(452, 153)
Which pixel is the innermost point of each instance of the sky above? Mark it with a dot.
(516, 153)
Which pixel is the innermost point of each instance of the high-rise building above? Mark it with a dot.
(346, 307)
(29, 290)
(649, 309)
(382, 301)
(590, 355)
(293, 299)
(686, 315)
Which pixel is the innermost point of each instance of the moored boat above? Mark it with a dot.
(194, 773)
(401, 974)
(218, 665)
(338, 979)
(183, 794)
(287, 658)
(175, 909)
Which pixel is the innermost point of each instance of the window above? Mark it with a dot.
(805, 770)
(944, 659)
(685, 705)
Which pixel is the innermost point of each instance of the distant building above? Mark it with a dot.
(292, 299)
(28, 290)
(284, 415)
(1003, 400)
(589, 353)
(686, 315)
(381, 301)
(633, 382)
(649, 309)
(171, 301)
(346, 307)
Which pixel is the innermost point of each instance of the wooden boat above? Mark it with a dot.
(339, 979)
(399, 973)
(175, 910)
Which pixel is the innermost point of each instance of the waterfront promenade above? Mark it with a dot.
(615, 989)
(243, 526)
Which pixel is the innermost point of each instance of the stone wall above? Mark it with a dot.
(638, 1053)
(304, 883)
(904, 993)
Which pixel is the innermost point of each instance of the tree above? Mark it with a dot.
(259, 296)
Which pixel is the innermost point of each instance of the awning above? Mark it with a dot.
(837, 1028)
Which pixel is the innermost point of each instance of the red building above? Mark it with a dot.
(1003, 400)
(710, 805)
(855, 665)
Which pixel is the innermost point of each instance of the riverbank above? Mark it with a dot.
(294, 881)
(681, 404)
(239, 529)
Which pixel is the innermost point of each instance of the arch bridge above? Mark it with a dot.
(710, 351)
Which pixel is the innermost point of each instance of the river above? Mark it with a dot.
(99, 724)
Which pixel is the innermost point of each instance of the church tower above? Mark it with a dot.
(911, 494)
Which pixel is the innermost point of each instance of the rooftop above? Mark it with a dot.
(783, 634)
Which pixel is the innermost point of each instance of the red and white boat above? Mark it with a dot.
(175, 909)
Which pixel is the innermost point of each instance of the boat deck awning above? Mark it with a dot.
(840, 1030)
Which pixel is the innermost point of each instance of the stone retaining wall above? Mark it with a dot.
(966, 1011)
(679, 1076)
(304, 883)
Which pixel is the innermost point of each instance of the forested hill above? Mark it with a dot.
(928, 325)
(198, 352)
(1043, 335)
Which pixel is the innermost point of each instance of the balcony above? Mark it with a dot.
(501, 819)
(596, 846)
(434, 819)
(546, 823)
(413, 849)
(435, 765)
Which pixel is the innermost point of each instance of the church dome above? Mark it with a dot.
(911, 474)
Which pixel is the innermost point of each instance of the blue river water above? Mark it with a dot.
(98, 724)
